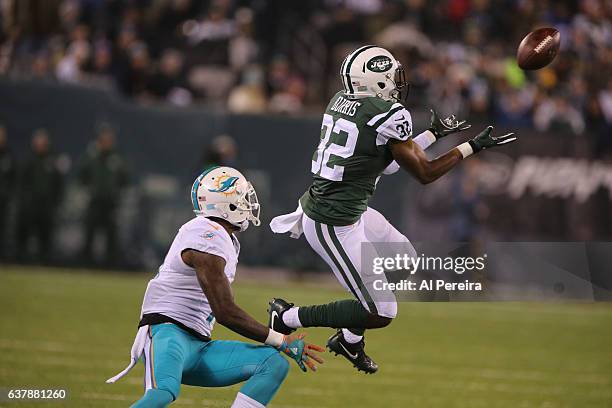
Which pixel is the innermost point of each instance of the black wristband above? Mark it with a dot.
(474, 146)
(433, 132)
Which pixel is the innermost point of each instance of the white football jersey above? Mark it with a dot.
(175, 292)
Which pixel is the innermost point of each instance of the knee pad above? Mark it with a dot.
(386, 309)
(390, 310)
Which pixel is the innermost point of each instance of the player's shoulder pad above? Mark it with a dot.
(379, 105)
(206, 236)
(395, 123)
(205, 229)
(379, 115)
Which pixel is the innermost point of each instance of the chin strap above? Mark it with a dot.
(244, 225)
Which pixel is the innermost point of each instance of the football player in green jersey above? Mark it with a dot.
(366, 132)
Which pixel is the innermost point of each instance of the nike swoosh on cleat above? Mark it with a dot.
(274, 316)
(352, 356)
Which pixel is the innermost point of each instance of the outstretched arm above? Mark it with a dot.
(438, 128)
(412, 158)
(211, 276)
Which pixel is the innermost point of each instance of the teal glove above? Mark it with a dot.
(484, 140)
(444, 127)
(298, 350)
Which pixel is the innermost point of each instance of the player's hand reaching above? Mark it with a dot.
(304, 354)
(444, 127)
(484, 140)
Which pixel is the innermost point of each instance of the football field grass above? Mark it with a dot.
(74, 329)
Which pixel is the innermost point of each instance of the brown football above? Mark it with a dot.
(538, 48)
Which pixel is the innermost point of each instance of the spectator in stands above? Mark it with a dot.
(249, 96)
(98, 70)
(138, 74)
(41, 185)
(7, 186)
(599, 129)
(557, 114)
(168, 83)
(455, 51)
(104, 174)
(222, 151)
(288, 88)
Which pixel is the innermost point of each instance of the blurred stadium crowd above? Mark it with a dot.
(280, 56)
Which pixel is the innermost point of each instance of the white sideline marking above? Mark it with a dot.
(49, 346)
(73, 348)
(499, 374)
(64, 362)
(76, 378)
(493, 373)
(109, 397)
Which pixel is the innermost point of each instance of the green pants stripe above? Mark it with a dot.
(333, 258)
(352, 270)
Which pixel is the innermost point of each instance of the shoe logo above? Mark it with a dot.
(352, 356)
(274, 316)
(294, 350)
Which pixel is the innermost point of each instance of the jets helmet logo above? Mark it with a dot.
(224, 184)
(380, 63)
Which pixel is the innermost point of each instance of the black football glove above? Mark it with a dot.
(444, 127)
(484, 140)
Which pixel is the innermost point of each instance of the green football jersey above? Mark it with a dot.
(353, 152)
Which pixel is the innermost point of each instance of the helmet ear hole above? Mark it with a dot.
(381, 85)
(232, 207)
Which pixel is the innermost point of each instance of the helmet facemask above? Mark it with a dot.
(400, 93)
(249, 203)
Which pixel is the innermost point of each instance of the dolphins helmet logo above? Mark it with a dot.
(225, 184)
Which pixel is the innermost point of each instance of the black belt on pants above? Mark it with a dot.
(151, 319)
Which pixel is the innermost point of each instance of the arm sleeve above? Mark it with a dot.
(394, 124)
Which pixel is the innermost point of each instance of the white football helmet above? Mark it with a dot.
(223, 192)
(373, 71)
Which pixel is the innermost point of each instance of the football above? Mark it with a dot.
(538, 48)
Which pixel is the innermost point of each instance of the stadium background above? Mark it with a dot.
(183, 84)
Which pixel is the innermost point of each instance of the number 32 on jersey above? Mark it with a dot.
(329, 151)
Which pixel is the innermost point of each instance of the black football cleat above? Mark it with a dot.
(354, 353)
(276, 310)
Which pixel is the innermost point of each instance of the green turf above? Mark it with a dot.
(74, 329)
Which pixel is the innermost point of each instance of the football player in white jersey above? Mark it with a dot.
(192, 290)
